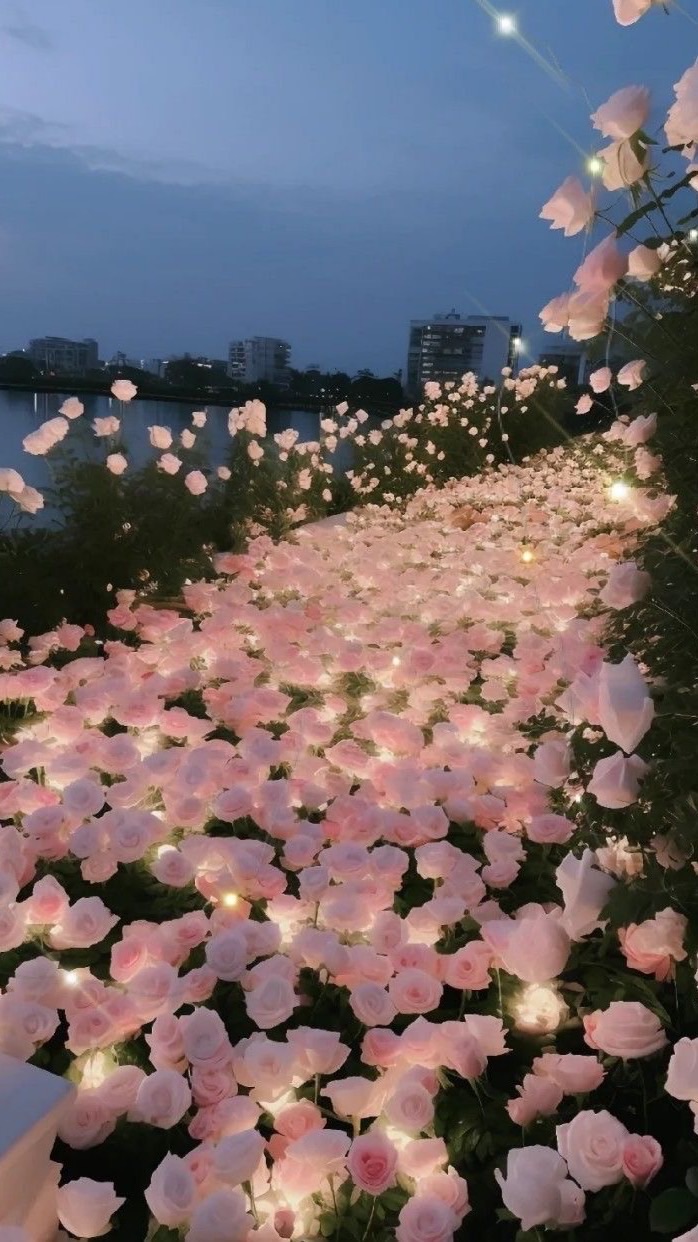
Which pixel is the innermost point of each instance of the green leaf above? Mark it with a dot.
(672, 1210)
(692, 1180)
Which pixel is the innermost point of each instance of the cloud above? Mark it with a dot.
(25, 31)
(26, 129)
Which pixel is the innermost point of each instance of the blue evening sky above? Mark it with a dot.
(175, 173)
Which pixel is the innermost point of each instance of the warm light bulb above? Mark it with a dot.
(594, 166)
(527, 556)
(230, 900)
(506, 24)
(396, 660)
(539, 1009)
(71, 977)
(619, 490)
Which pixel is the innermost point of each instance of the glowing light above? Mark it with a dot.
(506, 24)
(693, 235)
(71, 977)
(539, 1009)
(396, 660)
(527, 556)
(619, 490)
(517, 343)
(595, 166)
(230, 900)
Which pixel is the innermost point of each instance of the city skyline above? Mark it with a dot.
(236, 172)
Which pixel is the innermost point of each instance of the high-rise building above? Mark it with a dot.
(570, 360)
(445, 347)
(260, 359)
(57, 356)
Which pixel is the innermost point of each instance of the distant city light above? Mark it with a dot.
(595, 166)
(506, 24)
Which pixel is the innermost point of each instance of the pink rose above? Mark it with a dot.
(630, 11)
(532, 1187)
(681, 127)
(537, 1097)
(643, 263)
(600, 380)
(372, 1162)
(205, 1039)
(426, 1218)
(120, 1088)
(587, 313)
(584, 404)
(162, 1100)
(626, 585)
(87, 1121)
(585, 891)
(415, 991)
(450, 1188)
(574, 1073)
(534, 948)
(593, 1145)
(468, 969)
(166, 1043)
(603, 266)
(271, 1003)
(682, 1072)
(106, 426)
(123, 390)
(615, 781)
(83, 924)
(642, 1159)
(555, 314)
(85, 1207)
(238, 1156)
(372, 1005)
(160, 437)
(298, 1119)
(571, 208)
(627, 1029)
(72, 407)
(549, 829)
(624, 113)
(631, 375)
(221, 1217)
(227, 954)
(116, 463)
(410, 1107)
(640, 430)
(169, 463)
(195, 482)
(654, 946)
(171, 1195)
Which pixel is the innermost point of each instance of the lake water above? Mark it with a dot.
(22, 412)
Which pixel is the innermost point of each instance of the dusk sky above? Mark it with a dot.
(177, 173)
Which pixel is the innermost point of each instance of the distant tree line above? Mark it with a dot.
(200, 379)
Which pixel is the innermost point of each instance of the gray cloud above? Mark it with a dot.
(28, 33)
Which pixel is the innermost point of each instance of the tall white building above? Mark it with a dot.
(260, 359)
(445, 347)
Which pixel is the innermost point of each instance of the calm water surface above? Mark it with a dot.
(22, 412)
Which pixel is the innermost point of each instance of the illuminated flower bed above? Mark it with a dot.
(296, 886)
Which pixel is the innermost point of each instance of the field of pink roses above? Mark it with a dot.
(295, 886)
(356, 894)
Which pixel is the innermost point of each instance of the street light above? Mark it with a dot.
(506, 24)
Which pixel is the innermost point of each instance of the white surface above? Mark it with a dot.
(31, 1103)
